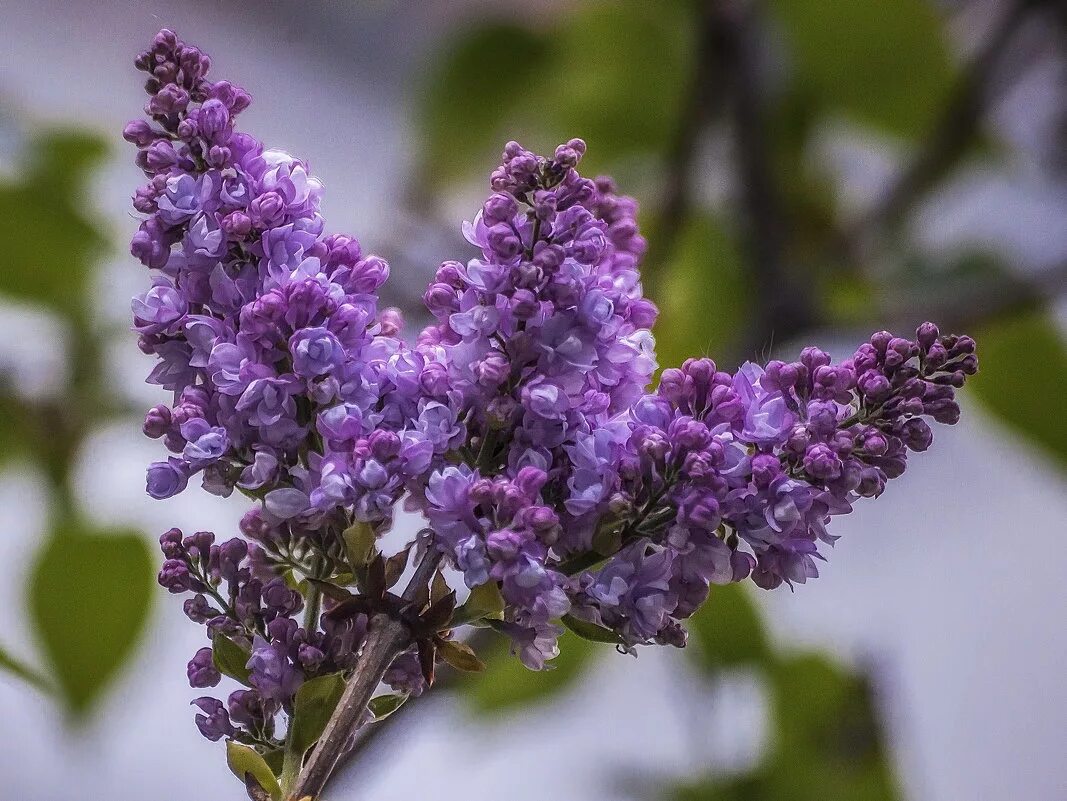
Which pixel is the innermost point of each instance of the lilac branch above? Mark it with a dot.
(386, 638)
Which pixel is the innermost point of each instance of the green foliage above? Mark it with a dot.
(827, 738)
(385, 705)
(614, 74)
(883, 64)
(245, 762)
(704, 300)
(89, 598)
(726, 632)
(230, 658)
(315, 702)
(45, 207)
(1023, 377)
(591, 631)
(617, 79)
(506, 685)
(473, 91)
(16, 430)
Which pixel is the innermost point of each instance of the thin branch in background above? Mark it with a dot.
(696, 112)
(977, 303)
(953, 132)
(785, 305)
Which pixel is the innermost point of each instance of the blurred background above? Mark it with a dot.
(809, 171)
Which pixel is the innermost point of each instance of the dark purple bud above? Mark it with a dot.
(201, 670)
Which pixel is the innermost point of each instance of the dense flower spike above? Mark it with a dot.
(520, 423)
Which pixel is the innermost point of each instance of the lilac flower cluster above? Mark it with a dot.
(519, 422)
(266, 330)
(543, 353)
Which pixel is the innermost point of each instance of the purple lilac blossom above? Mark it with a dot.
(520, 422)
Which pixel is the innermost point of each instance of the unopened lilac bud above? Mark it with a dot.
(500, 207)
(926, 335)
(201, 670)
(170, 543)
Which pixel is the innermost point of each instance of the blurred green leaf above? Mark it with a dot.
(879, 63)
(621, 70)
(507, 685)
(16, 429)
(89, 599)
(704, 295)
(727, 632)
(50, 243)
(1022, 377)
(315, 702)
(230, 658)
(473, 90)
(827, 741)
(245, 761)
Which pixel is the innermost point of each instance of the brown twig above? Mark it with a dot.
(786, 306)
(386, 638)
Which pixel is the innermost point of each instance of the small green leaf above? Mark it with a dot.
(507, 685)
(1026, 351)
(360, 544)
(230, 658)
(49, 244)
(460, 656)
(245, 762)
(385, 705)
(831, 745)
(315, 702)
(884, 64)
(590, 631)
(89, 597)
(484, 601)
(727, 631)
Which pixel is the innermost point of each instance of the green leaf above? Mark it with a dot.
(245, 762)
(49, 244)
(883, 64)
(360, 544)
(230, 658)
(827, 739)
(472, 90)
(484, 601)
(315, 701)
(590, 631)
(89, 598)
(507, 685)
(385, 705)
(726, 631)
(1024, 352)
(620, 72)
(460, 656)
(19, 668)
(705, 299)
